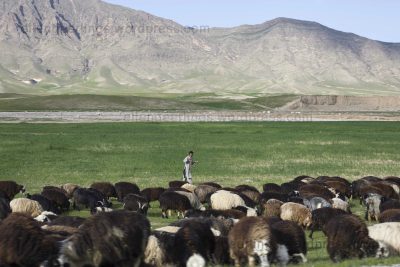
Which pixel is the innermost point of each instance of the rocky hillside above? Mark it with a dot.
(88, 46)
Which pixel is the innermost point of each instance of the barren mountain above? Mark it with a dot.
(88, 46)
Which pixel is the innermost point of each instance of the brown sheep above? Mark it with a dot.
(24, 243)
(11, 188)
(296, 213)
(106, 188)
(348, 237)
(152, 193)
(244, 238)
(387, 215)
(272, 208)
(313, 190)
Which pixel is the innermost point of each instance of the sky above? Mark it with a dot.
(375, 19)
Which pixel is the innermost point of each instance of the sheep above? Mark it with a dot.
(106, 188)
(293, 237)
(220, 255)
(225, 214)
(291, 186)
(55, 188)
(338, 203)
(194, 243)
(249, 191)
(152, 193)
(45, 217)
(174, 201)
(320, 218)
(69, 188)
(125, 188)
(136, 203)
(176, 184)
(189, 187)
(5, 208)
(249, 238)
(194, 201)
(265, 196)
(373, 202)
(389, 215)
(215, 185)
(11, 188)
(271, 187)
(339, 186)
(46, 204)
(85, 198)
(297, 213)
(342, 245)
(225, 200)
(389, 204)
(107, 239)
(203, 192)
(59, 199)
(26, 206)
(272, 208)
(219, 226)
(388, 234)
(316, 203)
(315, 190)
(24, 243)
(70, 221)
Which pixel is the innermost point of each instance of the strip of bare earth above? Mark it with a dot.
(85, 117)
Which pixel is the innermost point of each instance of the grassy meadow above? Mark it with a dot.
(151, 154)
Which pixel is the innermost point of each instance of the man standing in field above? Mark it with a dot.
(187, 167)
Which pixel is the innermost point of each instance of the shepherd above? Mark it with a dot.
(187, 167)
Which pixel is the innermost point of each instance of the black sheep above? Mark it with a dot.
(116, 238)
(5, 209)
(58, 198)
(87, 198)
(320, 217)
(46, 204)
(271, 187)
(152, 193)
(174, 201)
(293, 237)
(11, 188)
(125, 188)
(265, 196)
(348, 237)
(216, 185)
(136, 203)
(194, 238)
(176, 184)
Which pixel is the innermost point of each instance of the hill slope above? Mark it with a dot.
(91, 47)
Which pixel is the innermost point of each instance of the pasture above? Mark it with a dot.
(228, 153)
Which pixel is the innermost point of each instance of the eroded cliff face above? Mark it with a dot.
(345, 103)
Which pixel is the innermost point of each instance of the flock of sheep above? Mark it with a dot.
(216, 225)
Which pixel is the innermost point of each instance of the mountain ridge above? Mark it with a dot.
(89, 46)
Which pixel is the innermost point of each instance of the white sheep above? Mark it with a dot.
(225, 200)
(44, 216)
(297, 213)
(189, 187)
(193, 199)
(27, 206)
(340, 204)
(387, 233)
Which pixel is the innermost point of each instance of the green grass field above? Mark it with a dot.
(229, 153)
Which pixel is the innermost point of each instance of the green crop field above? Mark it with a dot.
(151, 154)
